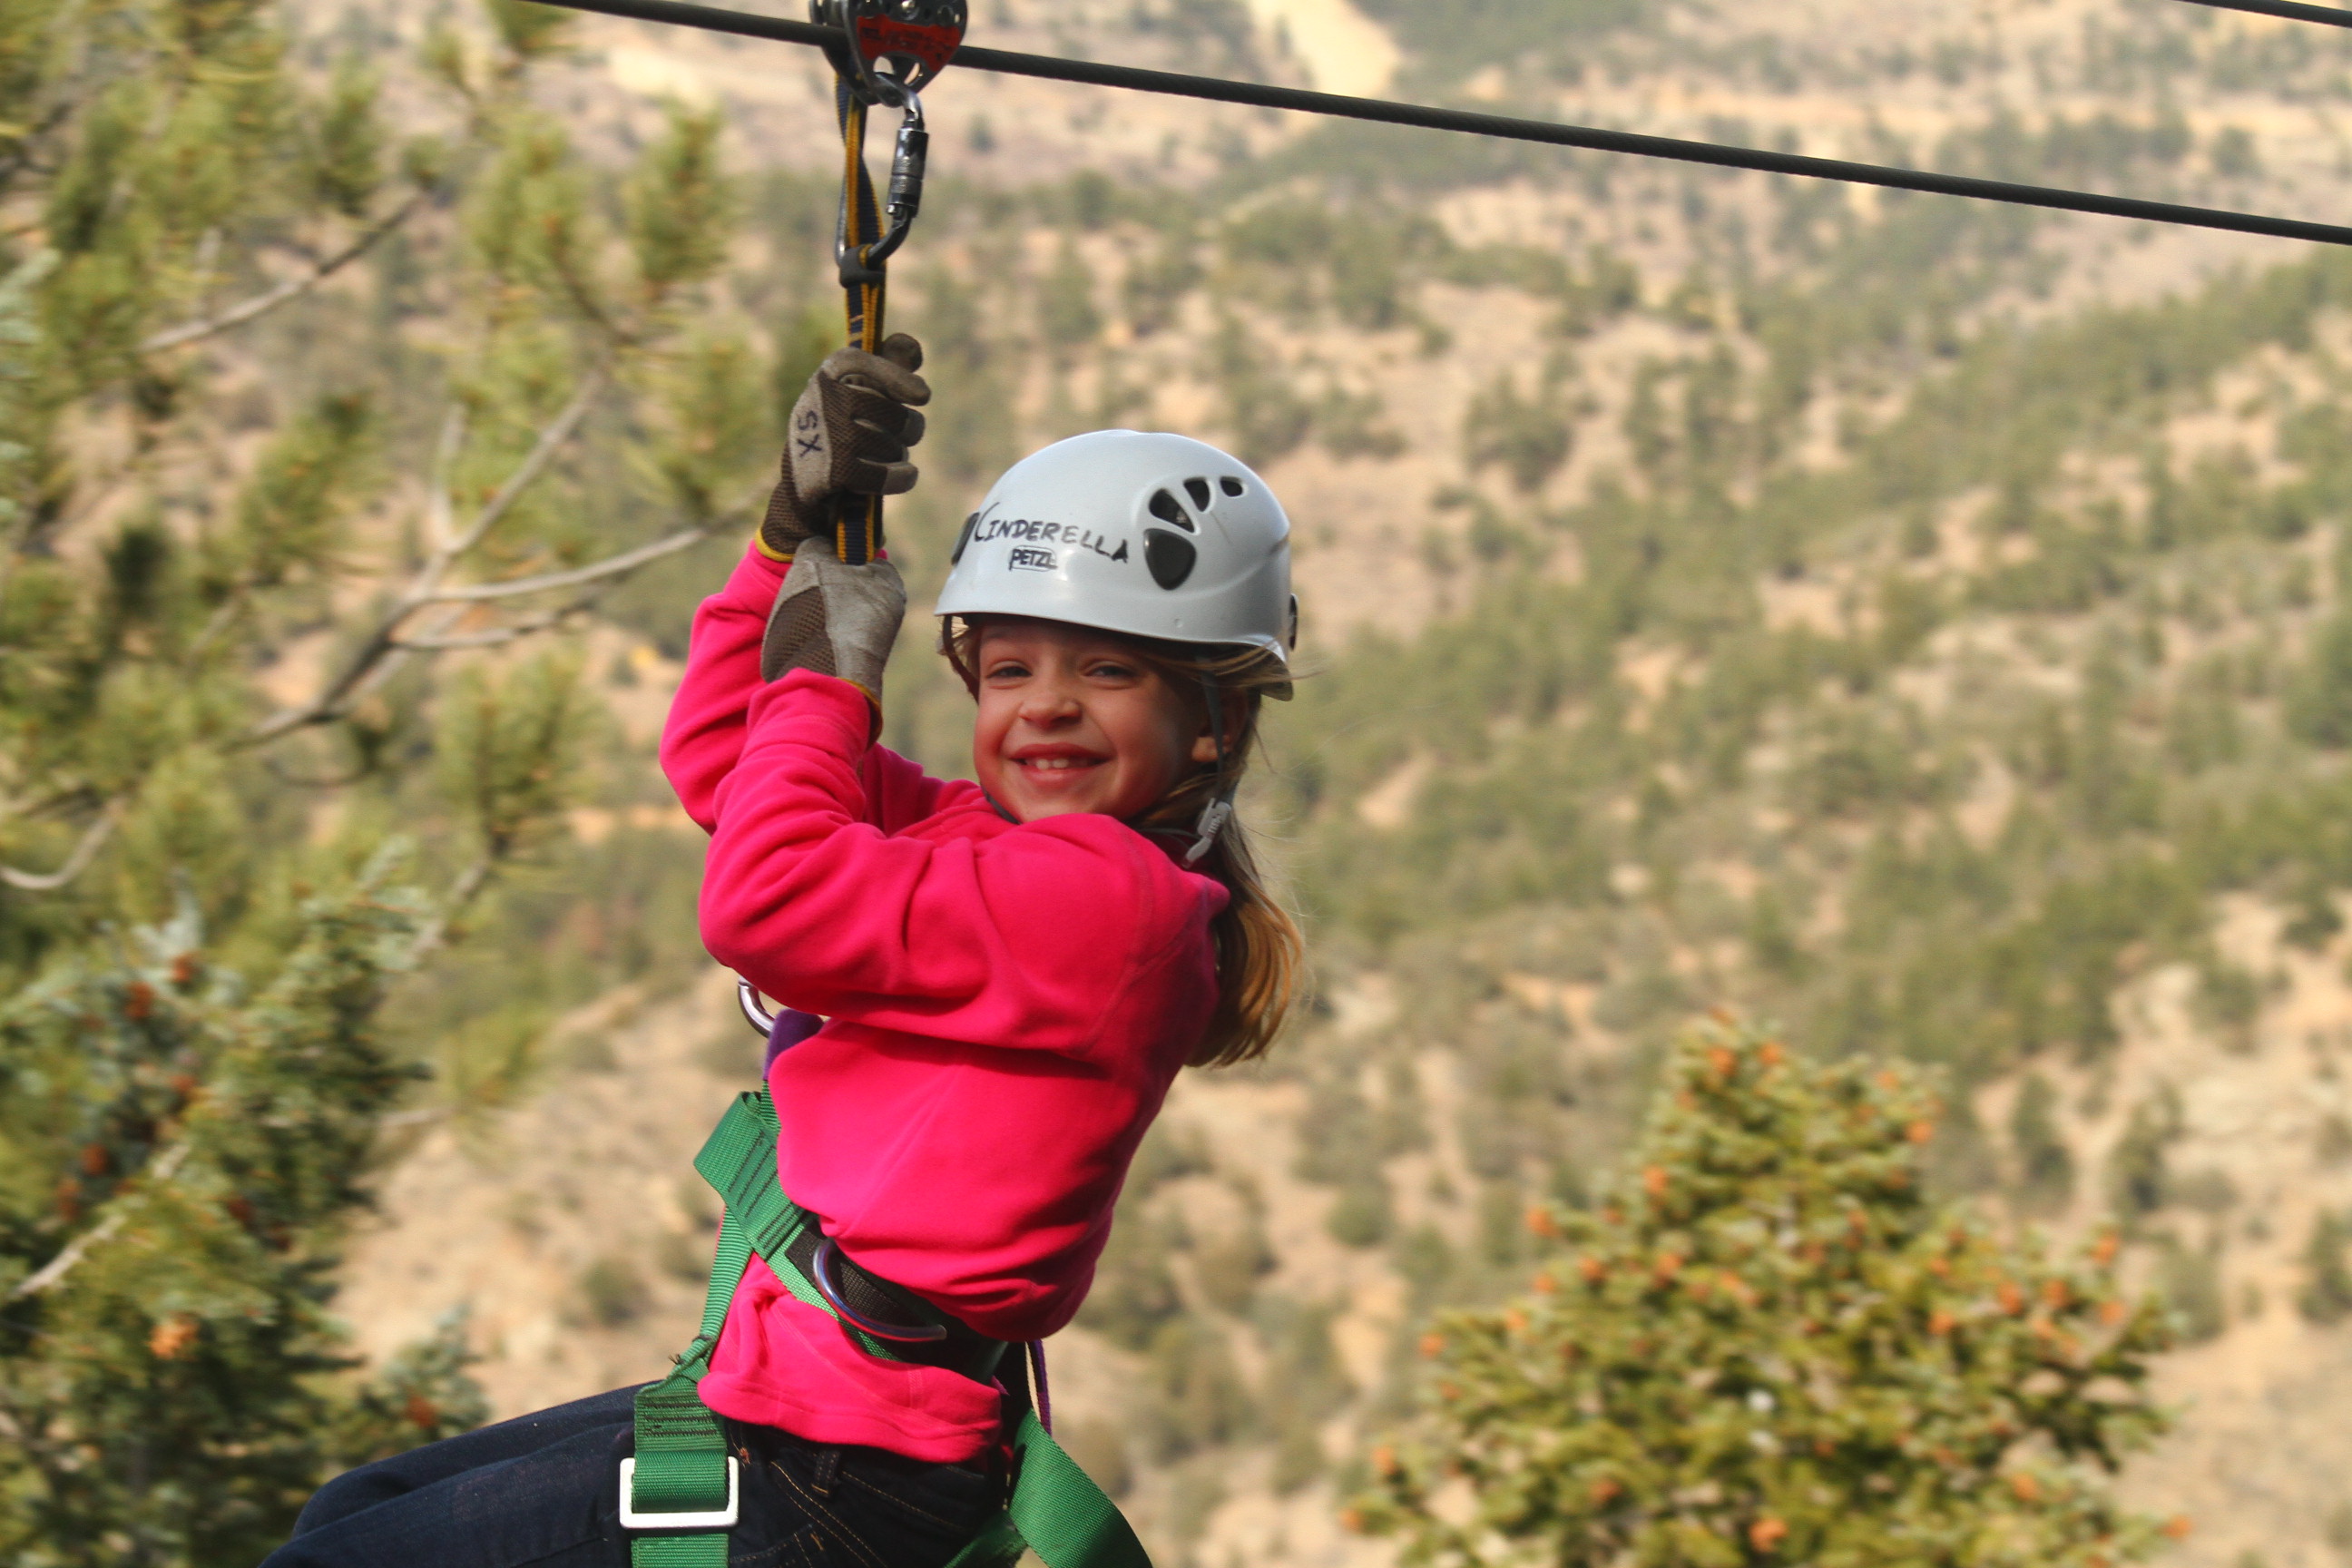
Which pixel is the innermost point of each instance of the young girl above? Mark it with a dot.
(1014, 971)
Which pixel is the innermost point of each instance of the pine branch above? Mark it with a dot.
(93, 839)
(167, 1165)
(269, 300)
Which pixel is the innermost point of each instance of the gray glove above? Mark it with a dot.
(834, 619)
(848, 438)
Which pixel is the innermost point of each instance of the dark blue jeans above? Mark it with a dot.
(544, 1490)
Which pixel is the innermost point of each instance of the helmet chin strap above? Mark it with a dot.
(1220, 809)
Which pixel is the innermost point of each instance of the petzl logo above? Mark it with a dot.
(1033, 561)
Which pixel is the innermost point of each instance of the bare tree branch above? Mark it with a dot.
(440, 512)
(613, 566)
(381, 653)
(21, 158)
(269, 300)
(462, 893)
(542, 452)
(93, 839)
(495, 637)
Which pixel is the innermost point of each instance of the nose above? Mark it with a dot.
(1048, 702)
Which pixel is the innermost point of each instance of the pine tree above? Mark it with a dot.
(245, 508)
(168, 1406)
(1768, 1344)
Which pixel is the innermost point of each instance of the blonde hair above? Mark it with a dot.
(1259, 952)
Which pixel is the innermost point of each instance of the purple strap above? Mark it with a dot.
(1044, 1395)
(791, 1027)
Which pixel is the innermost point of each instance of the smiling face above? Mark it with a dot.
(1071, 720)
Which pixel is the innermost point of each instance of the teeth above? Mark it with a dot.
(1058, 764)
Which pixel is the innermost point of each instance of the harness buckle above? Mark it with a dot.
(723, 1519)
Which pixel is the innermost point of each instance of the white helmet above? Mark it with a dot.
(1153, 535)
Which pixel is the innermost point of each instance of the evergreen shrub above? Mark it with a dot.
(1771, 1344)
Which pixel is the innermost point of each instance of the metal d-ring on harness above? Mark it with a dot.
(915, 38)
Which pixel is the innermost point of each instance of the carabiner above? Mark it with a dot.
(747, 996)
(864, 263)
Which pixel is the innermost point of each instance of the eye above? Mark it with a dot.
(1006, 670)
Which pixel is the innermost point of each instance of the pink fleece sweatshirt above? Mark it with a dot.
(1009, 1005)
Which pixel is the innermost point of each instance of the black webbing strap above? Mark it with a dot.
(865, 288)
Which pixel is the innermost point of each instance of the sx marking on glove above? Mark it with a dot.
(851, 430)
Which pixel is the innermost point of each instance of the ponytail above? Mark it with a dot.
(1260, 956)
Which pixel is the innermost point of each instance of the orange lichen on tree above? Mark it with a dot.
(174, 1335)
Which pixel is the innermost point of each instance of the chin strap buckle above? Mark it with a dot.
(1214, 818)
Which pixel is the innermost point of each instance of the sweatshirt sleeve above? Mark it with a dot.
(704, 733)
(703, 737)
(899, 793)
(1021, 938)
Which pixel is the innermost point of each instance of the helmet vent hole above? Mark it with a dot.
(1168, 509)
(1232, 487)
(963, 540)
(1198, 490)
(1171, 558)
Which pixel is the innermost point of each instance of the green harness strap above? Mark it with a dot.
(678, 1495)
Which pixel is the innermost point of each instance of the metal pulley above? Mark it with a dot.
(915, 38)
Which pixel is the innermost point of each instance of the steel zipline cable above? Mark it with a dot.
(2293, 10)
(1047, 67)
